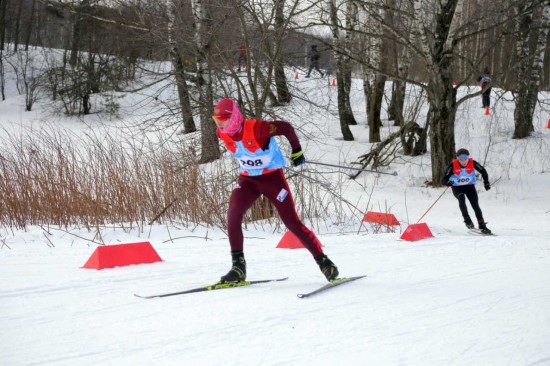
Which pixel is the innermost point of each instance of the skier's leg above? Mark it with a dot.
(471, 193)
(277, 191)
(458, 192)
(242, 198)
(309, 70)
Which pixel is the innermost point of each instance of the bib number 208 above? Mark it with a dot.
(252, 163)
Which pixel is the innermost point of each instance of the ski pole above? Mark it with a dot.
(326, 185)
(346, 167)
(433, 204)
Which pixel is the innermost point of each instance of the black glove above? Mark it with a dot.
(449, 184)
(487, 186)
(297, 157)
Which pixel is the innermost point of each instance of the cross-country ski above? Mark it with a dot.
(216, 286)
(334, 283)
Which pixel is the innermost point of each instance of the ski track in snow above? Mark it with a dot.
(445, 300)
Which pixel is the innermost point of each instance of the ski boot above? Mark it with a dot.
(483, 228)
(327, 267)
(469, 224)
(237, 273)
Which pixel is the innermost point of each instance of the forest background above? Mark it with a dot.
(81, 55)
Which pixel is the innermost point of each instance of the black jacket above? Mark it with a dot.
(314, 54)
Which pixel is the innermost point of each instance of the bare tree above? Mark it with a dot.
(283, 92)
(31, 24)
(209, 142)
(3, 11)
(375, 65)
(178, 65)
(399, 61)
(341, 72)
(533, 20)
(2, 76)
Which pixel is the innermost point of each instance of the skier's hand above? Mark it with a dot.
(487, 186)
(449, 184)
(297, 157)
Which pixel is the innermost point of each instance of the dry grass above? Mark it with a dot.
(56, 178)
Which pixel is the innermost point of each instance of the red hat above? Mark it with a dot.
(228, 109)
(223, 109)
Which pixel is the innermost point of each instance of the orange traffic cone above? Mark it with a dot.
(487, 111)
(333, 82)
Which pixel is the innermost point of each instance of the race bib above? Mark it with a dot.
(462, 181)
(256, 162)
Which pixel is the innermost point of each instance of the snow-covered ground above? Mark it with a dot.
(455, 299)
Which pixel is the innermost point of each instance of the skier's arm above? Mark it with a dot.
(447, 175)
(267, 129)
(481, 169)
(282, 128)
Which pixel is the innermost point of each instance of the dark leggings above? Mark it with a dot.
(468, 191)
(275, 188)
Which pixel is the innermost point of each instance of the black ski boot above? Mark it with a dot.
(484, 229)
(469, 224)
(327, 267)
(237, 272)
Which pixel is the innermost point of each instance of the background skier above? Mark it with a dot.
(314, 57)
(460, 175)
(485, 80)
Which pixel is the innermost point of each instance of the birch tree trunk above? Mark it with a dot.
(340, 73)
(532, 29)
(209, 141)
(436, 23)
(401, 63)
(352, 20)
(394, 104)
(179, 71)
(374, 77)
(283, 94)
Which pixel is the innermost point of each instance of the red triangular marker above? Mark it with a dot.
(290, 241)
(416, 232)
(110, 256)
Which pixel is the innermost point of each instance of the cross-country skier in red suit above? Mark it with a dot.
(261, 162)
